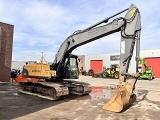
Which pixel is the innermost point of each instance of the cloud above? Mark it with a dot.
(44, 25)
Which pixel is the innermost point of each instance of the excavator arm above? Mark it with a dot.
(129, 26)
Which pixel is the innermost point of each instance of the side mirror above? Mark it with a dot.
(79, 60)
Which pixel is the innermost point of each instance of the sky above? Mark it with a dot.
(43, 25)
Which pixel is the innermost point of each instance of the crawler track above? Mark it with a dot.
(48, 90)
(79, 88)
(55, 91)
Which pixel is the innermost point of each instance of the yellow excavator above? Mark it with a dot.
(56, 81)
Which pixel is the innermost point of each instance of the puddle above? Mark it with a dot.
(16, 94)
(98, 93)
(102, 93)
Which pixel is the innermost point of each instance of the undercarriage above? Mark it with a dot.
(55, 90)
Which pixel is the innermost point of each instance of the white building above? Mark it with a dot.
(17, 64)
(100, 61)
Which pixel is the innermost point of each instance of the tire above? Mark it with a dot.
(104, 75)
(90, 72)
(116, 75)
(150, 77)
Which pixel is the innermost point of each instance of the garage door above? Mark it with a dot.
(96, 65)
(155, 63)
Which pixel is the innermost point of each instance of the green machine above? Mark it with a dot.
(145, 71)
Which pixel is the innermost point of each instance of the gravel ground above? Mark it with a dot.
(18, 106)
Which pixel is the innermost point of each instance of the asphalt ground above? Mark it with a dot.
(19, 106)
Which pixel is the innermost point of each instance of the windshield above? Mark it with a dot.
(73, 63)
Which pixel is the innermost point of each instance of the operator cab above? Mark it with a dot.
(113, 67)
(71, 65)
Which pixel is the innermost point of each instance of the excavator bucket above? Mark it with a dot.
(120, 100)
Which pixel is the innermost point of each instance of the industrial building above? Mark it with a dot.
(99, 62)
(6, 42)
